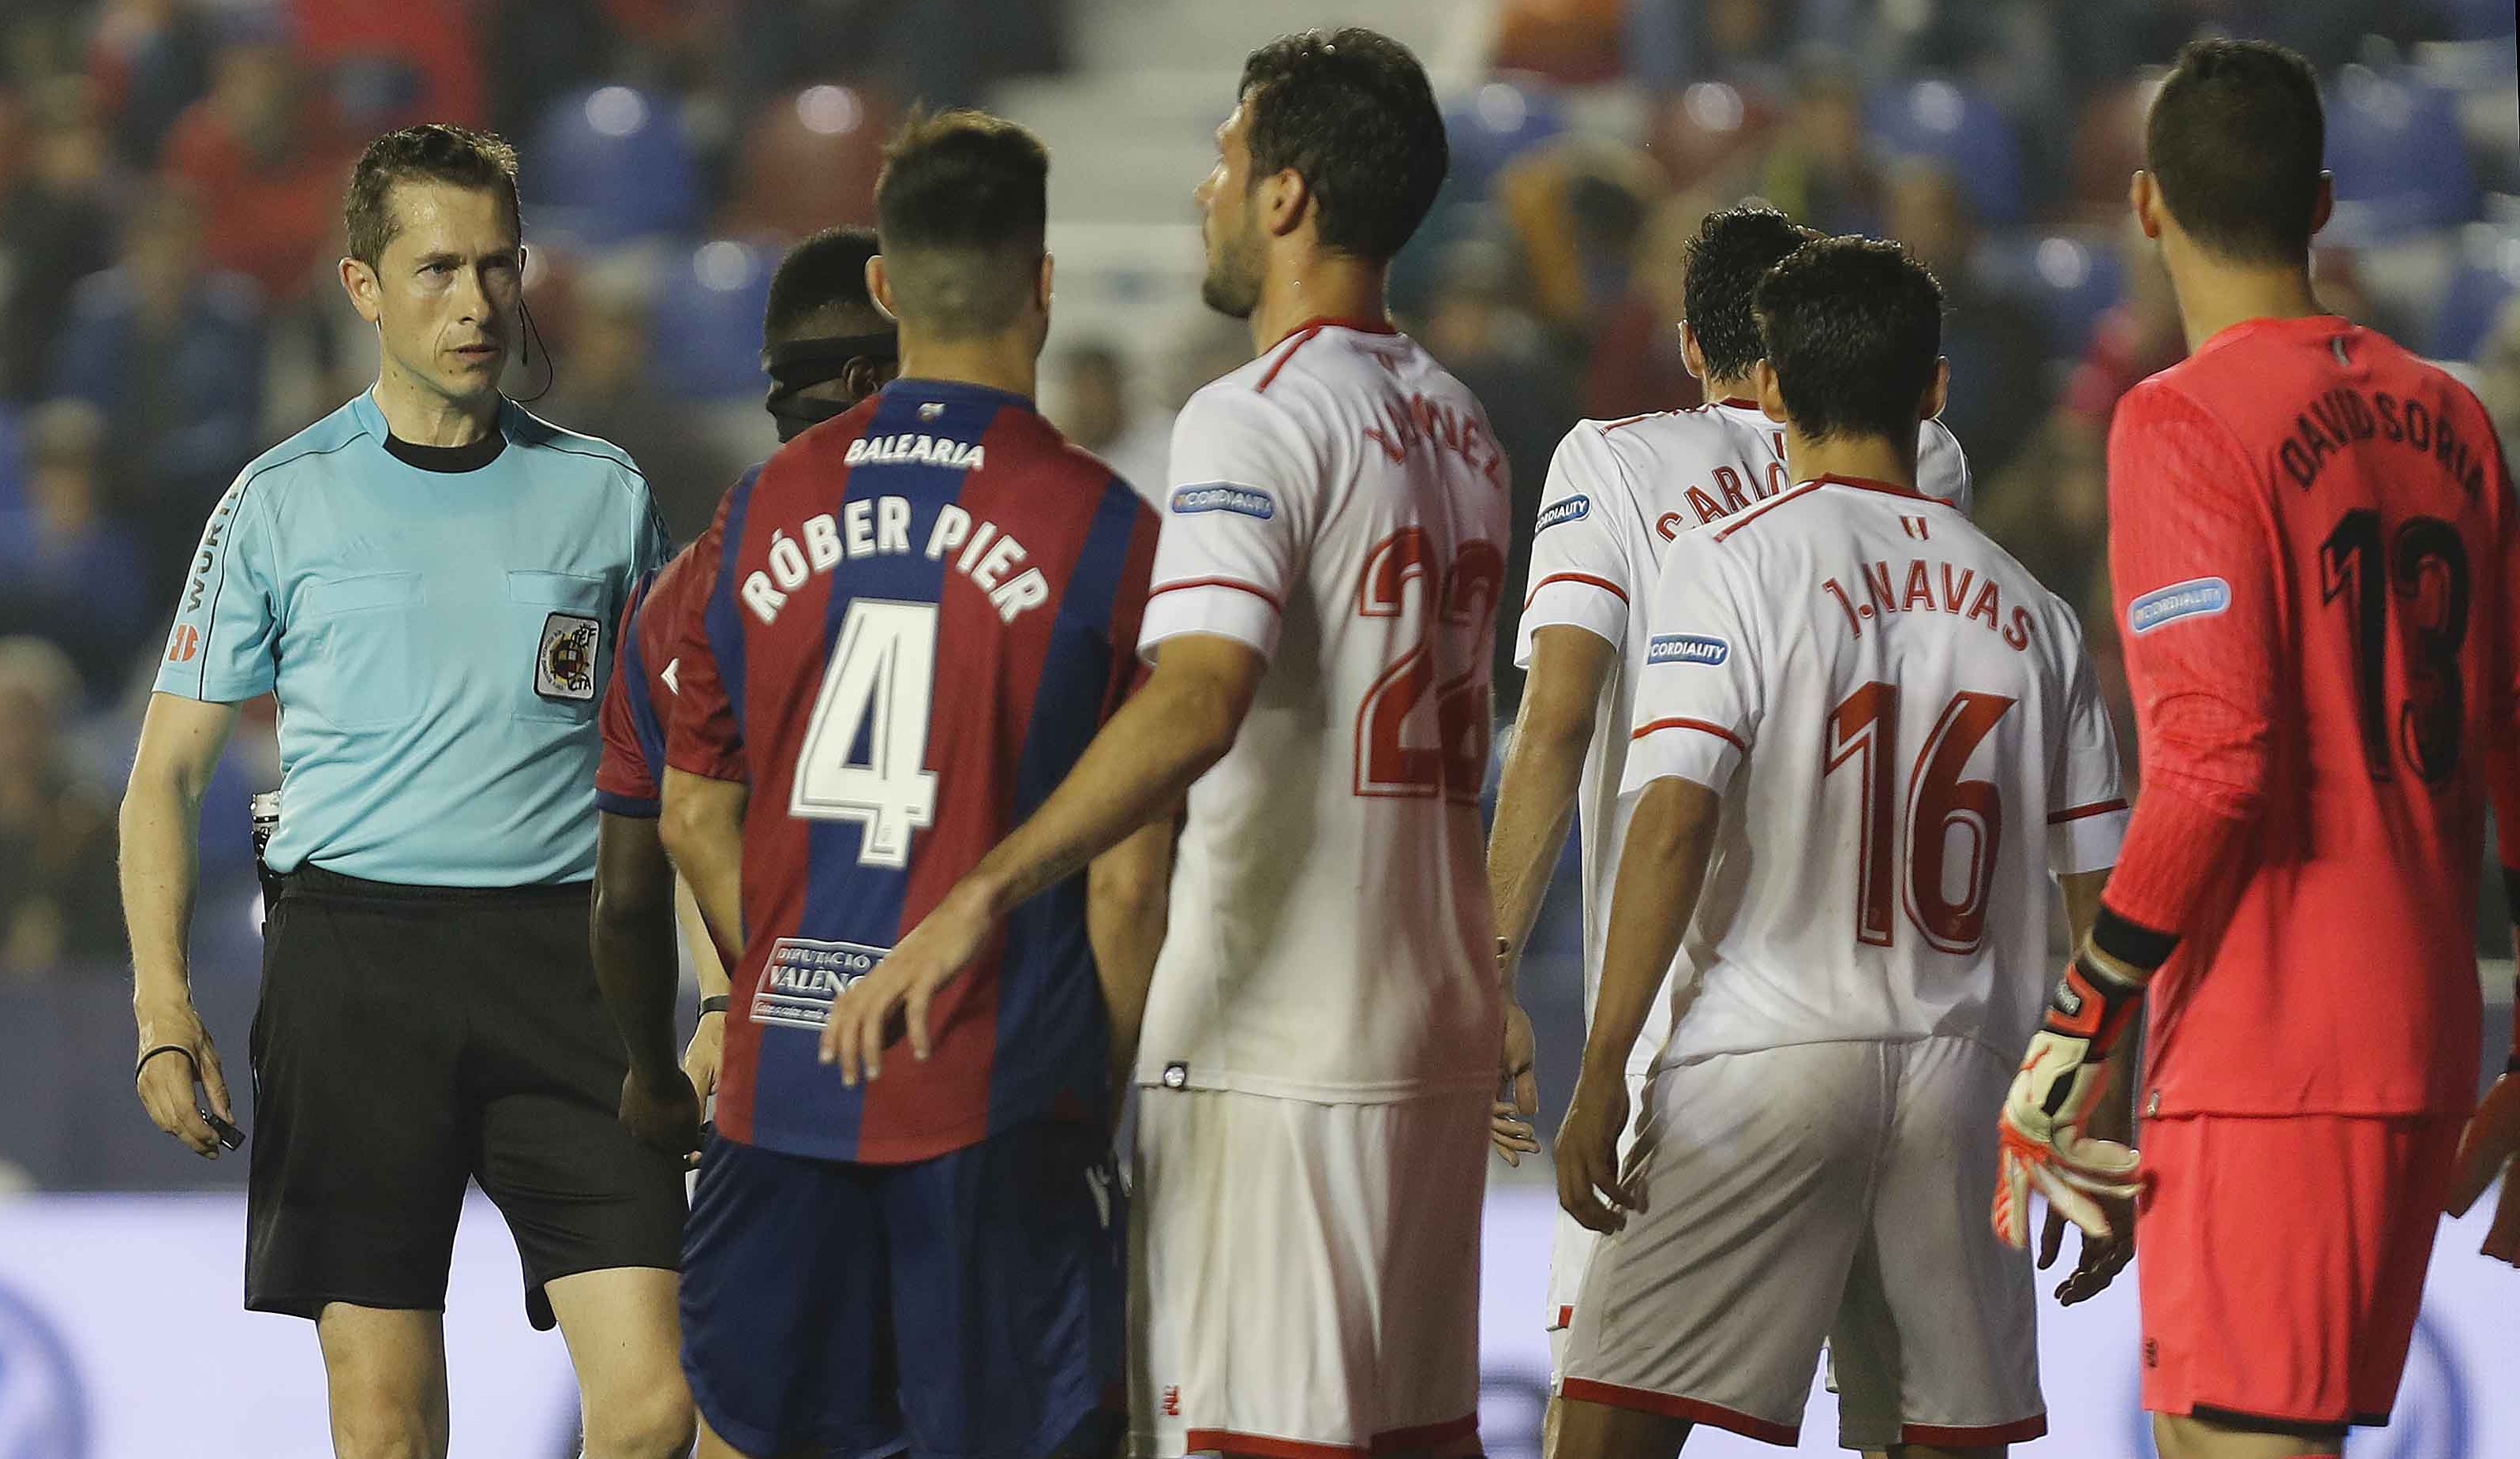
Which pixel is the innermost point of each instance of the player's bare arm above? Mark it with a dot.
(1162, 740)
(2112, 1119)
(708, 1037)
(702, 827)
(635, 967)
(1127, 900)
(1535, 803)
(180, 743)
(1661, 872)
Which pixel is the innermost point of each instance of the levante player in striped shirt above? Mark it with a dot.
(2315, 559)
(921, 613)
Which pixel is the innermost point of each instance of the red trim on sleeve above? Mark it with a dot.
(1718, 731)
(2019, 1432)
(2078, 812)
(1646, 1400)
(1604, 584)
(1610, 425)
(1236, 584)
(1565, 1318)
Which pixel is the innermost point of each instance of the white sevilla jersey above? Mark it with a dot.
(1909, 738)
(1339, 504)
(1620, 493)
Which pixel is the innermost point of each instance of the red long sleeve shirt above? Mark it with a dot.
(2312, 542)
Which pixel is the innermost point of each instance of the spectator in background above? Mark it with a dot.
(171, 351)
(266, 156)
(1998, 389)
(394, 63)
(56, 228)
(1479, 332)
(2497, 378)
(57, 904)
(68, 572)
(546, 49)
(1202, 346)
(2139, 337)
(1093, 397)
(603, 389)
(150, 59)
(1820, 171)
(1635, 365)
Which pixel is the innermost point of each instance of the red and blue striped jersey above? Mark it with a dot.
(646, 673)
(923, 612)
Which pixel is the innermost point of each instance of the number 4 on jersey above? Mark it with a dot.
(879, 683)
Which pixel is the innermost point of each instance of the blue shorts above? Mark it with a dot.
(968, 1306)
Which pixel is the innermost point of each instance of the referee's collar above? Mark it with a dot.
(447, 459)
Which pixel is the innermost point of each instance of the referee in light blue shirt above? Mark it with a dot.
(428, 579)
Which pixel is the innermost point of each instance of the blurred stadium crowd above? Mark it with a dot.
(170, 177)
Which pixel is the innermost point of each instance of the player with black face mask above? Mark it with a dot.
(825, 343)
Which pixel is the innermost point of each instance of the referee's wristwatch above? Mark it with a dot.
(714, 1003)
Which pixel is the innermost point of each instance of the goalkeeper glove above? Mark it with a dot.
(2062, 1082)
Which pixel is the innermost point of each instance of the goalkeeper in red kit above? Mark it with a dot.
(2316, 559)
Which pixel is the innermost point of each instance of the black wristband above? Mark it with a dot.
(2131, 943)
(162, 1049)
(2511, 891)
(713, 1004)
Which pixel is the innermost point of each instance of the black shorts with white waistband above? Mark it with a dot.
(412, 1038)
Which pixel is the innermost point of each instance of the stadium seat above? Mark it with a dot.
(2487, 276)
(1960, 128)
(612, 165)
(2478, 20)
(1497, 122)
(706, 321)
(2401, 164)
(2071, 281)
(13, 462)
(809, 162)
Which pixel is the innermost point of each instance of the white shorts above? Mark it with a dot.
(1822, 1193)
(1572, 1250)
(1305, 1277)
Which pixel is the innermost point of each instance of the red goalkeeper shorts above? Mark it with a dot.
(2283, 1262)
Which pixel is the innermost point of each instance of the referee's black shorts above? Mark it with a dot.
(409, 1037)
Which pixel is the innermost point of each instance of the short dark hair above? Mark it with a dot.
(1733, 250)
(435, 152)
(1853, 328)
(1351, 112)
(821, 287)
(2235, 139)
(961, 210)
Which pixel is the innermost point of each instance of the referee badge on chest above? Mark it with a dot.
(564, 668)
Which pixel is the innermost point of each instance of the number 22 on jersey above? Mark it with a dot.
(1458, 597)
(878, 686)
